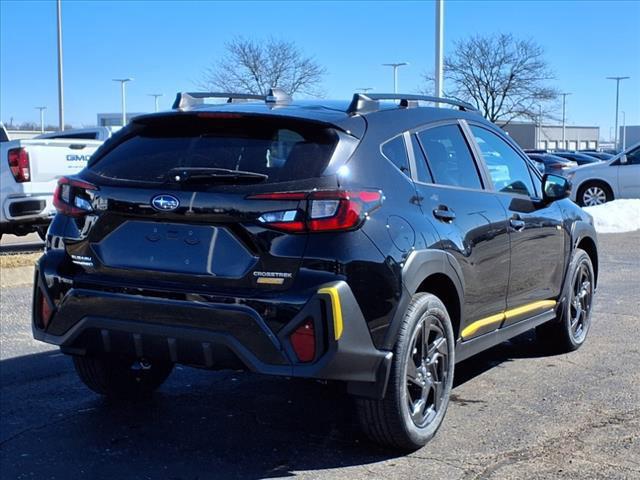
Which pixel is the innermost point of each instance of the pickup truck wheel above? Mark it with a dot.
(569, 331)
(420, 381)
(42, 233)
(119, 378)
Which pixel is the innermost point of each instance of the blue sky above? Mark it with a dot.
(166, 45)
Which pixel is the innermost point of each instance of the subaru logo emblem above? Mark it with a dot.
(165, 203)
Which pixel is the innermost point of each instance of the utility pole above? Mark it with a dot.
(155, 97)
(123, 81)
(60, 74)
(564, 100)
(439, 46)
(42, 109)
(395, 67)
(617, 79)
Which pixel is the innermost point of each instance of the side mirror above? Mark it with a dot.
(623, 160)
(555, 187)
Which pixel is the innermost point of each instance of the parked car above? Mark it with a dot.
(367, 242)
(553, 163)
(29, 170)
(579, 158)
(605, 181)
(599, 155)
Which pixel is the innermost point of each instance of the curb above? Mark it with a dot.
(11, 277)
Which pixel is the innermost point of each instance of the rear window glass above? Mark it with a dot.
(284, 150)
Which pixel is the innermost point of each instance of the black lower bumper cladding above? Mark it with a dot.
(211, 335)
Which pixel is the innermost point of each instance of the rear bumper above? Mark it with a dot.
(210, 335)
(28, 208)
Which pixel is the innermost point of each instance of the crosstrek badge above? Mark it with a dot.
(271, 278)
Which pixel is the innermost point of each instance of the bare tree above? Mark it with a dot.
(504, 77)
(251, 66)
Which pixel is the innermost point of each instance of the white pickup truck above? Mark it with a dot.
(29, 171)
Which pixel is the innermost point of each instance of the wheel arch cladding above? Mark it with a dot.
(588, 245)
(432, 271)
(443, 287)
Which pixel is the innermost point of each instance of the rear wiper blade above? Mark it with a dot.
(204, 174)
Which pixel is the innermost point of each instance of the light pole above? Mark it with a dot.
(42, 109)
(624, 131)
(155, 98)
(123, 81)
(439, 43)
(395, 67)
(60, 79)
(617, 79)
(364, 89)
(564, 101)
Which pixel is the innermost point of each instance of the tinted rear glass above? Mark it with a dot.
(284, 150)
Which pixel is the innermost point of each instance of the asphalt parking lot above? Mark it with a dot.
(516, 412)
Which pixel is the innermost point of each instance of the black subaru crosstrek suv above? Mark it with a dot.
(375, 242)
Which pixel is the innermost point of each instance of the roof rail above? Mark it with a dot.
(187, 100)
(369, 102)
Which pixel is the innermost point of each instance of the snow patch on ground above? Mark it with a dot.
(617, 216)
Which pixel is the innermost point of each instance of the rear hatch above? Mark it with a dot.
(201, 199)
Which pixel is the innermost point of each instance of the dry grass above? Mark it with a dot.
(19, 260)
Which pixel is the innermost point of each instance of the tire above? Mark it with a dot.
(119, 378)
(594, 193)
(569, 330)
(42, 233)
(388, 421)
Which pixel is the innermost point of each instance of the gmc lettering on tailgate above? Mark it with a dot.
(78, 158)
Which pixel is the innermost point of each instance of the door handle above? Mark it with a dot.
(76, 146)
(443, 213)
(517, 224)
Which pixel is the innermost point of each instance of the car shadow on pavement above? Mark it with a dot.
(198, 425)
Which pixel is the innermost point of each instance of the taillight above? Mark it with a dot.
(303, 341)
(19, 164)
(71, 198)
(321, 210)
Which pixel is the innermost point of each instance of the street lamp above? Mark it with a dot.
(364, 89)
(395, 67)
(123, 81)
(624, 131)
(564, 100)
(60, 76)
(617, 79)
(42, 109)
(439, 47)
(155, 97)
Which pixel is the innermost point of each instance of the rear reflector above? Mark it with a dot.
(45, 310)
(19, 164)
(303, 341)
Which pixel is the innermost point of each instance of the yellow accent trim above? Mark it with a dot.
(337, 309)
(514, 312)
(270, 280)
(483, 322)
(470, 330)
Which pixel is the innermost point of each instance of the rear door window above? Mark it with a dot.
(284, 150)
(449, 158)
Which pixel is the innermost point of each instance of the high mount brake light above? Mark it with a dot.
(326, 210)
(70, 197)
(19, 164)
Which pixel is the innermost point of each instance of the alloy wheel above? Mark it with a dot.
(594, 196)
(580, 306)
(427, 371)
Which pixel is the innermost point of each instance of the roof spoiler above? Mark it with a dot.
(188, 100)
(370, 102)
